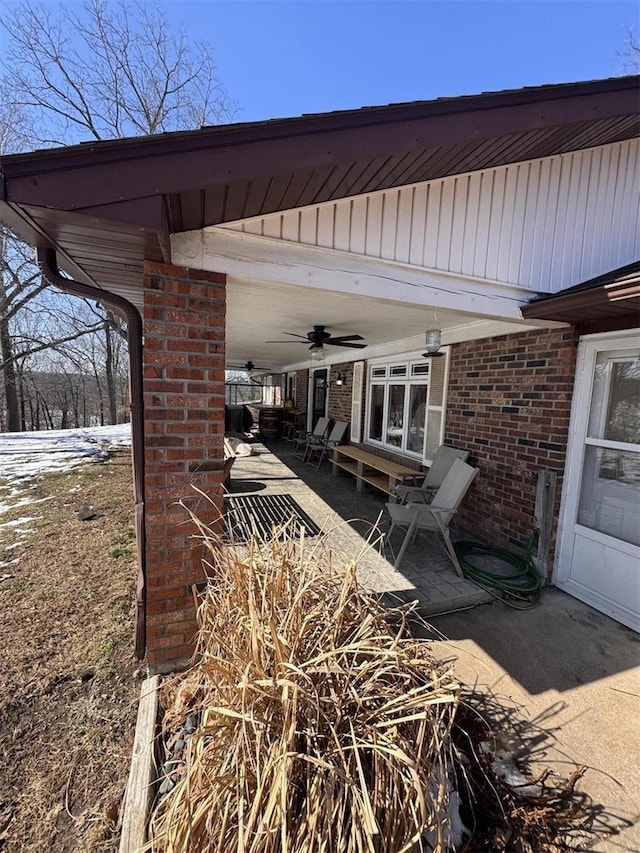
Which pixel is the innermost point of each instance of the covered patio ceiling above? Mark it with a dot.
(258, 312)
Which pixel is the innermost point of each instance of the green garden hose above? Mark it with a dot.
(508, 576)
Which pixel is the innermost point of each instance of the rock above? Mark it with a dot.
(168, 785)
(85, 512)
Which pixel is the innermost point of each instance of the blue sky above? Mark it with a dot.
(287, 58)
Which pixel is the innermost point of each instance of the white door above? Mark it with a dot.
(599, 549)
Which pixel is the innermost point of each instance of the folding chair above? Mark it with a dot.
(318, 447)
(423, 492)
(319, 430)
(437, 515)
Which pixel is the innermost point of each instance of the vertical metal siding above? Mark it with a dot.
(544, 224)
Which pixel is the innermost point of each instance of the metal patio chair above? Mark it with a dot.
(437, 515)
(424, 491)
(317, 447)
(319, 430)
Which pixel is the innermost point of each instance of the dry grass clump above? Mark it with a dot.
(322, 727)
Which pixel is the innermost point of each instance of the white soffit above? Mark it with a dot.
(544, 224)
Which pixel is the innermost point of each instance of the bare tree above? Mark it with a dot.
(114, 70)
(107, 69)
(630, 56)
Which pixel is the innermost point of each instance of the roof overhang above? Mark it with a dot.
(187, 180)
(605, 303)
(106, 206)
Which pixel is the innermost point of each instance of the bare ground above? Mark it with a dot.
(69, 682)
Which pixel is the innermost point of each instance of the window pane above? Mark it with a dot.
(615, 401)
(610, 493)
(623, 417)
(398, 370)
(395, 419)
(376, 407)
(417, 415)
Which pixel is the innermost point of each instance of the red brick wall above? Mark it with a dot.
(339, 406)
(184, 328)
(302, 390)
(509, 404)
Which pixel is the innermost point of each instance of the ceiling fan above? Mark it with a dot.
(248, 366)
(318, 337)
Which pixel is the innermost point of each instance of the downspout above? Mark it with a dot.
(49, 267)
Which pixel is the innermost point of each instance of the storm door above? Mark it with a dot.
(599, 553)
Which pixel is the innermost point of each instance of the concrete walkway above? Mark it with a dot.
(565, 679)
(350, 518)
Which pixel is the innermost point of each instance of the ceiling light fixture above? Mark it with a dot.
(433, 338)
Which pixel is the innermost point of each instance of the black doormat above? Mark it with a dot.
(263, 513)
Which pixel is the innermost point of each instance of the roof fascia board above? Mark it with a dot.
(85, 176)
(179, 141)
(278, 261)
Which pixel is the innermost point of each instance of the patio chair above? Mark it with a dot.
(319, 430)
(318, 446)
(435, 516)
(423, 492)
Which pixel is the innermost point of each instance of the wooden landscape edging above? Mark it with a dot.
(142, 776)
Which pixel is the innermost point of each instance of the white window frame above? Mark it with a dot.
(407, 381)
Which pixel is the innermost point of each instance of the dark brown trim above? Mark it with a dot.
(563, 102)
(48, 264)
(606, 303)
(113, 171)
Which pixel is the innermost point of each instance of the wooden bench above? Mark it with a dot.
(229, 459)
(369, 468)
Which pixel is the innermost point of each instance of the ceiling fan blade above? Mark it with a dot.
(296, 335)
(340, 338)
(304, 341)
(345, 344)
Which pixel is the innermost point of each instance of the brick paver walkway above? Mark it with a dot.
(349, 518)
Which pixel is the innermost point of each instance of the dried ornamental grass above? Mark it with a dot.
(321, 726)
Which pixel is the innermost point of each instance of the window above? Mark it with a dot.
(609, 494)
(271, 391)
(406, 405)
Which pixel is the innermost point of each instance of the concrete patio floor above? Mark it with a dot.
(571, 677)
(349, 517)
(565, 678)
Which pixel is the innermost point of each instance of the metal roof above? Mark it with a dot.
(105, 206)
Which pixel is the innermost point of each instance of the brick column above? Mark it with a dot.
(183, 369)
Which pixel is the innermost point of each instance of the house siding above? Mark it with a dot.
(509, 404)
(183, 370)
(545, 224)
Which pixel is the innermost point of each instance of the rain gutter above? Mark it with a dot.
(48, 264)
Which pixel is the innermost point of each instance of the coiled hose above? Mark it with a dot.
(508, 576)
